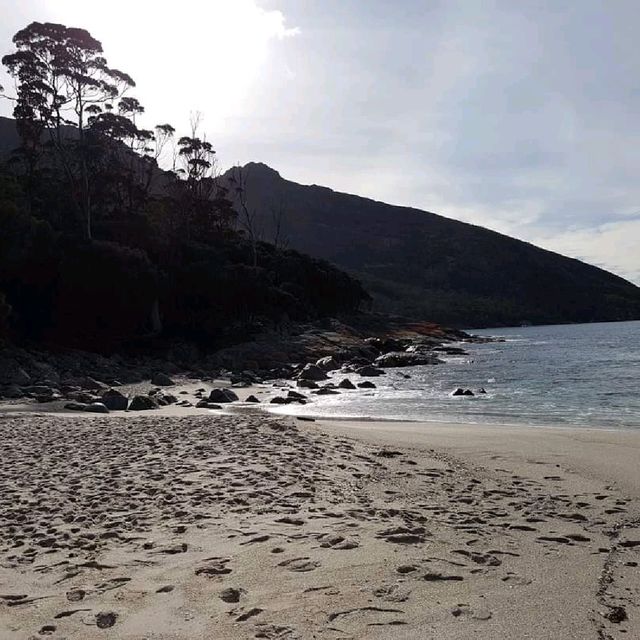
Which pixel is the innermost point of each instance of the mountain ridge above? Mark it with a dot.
(422, 264)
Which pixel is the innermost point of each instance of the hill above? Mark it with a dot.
(419, 264)
(424, 265)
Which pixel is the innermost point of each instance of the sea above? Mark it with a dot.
(558, 375)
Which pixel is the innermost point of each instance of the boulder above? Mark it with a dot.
(97, 407)
(481, 390)
(83, 397)
(222, 395)
(294, 395)
(307, 384)
(346, 384)
(162, 380)
(312, 372)
(328, 363)
(114, 400)
(40, 390)
(142, 403)
(326, 391)
(404, 359)
(76, 406)
(367, 384)
(452, 351)
(164, 399)
(287, 400)
(252, 398)
(462, 392)
(369, 371)
(205, 404)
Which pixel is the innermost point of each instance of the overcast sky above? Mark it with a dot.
(518, 115)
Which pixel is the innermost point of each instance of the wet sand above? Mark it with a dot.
(201, 526)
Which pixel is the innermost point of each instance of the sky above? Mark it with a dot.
(517, 115)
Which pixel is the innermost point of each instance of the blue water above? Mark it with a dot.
(586, 375)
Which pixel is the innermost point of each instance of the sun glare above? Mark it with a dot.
(187, 56)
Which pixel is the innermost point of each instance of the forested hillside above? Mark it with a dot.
(424, 265)
(94, 252)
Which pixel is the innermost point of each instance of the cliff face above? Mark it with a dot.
(424, 265)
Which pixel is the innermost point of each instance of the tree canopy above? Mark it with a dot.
(100, 245)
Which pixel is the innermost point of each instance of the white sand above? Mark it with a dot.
(145, 526)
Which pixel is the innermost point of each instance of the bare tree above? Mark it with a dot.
(248, 216)
(278, 222)
(207, 209)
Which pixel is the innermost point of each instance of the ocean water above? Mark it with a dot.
(583, 375)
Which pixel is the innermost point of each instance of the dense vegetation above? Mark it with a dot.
(426, 266)
(99, 247)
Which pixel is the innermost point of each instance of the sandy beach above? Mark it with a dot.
(207, 526)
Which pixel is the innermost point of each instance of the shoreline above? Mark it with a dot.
(452, 422)
(583, 447)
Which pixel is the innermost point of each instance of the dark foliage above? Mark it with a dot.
(103, 294)
(5, 312)
(213, 293)
(99, 247)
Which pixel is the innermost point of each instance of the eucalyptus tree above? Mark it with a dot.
(62, 81)
(208, 210)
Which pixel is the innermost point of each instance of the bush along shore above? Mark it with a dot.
(365, 345)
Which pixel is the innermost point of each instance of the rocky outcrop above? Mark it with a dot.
(462, 392)
(114, 400)
(205, 404)
(406, 359)
(369, 371)
(328, 363)
(312, 372)
(222, 396)
(162, 380)
(142, 403)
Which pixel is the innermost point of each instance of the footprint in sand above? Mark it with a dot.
(276, 632)
(403, 535)
(332, 541)
(47, 630)
(299, 565)
(475, 614)
(215, 567)
(392, 593)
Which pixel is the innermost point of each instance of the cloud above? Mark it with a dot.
(612, 246)
(521, 117)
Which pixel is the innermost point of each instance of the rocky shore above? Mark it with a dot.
(165, 519)
(100, 384)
